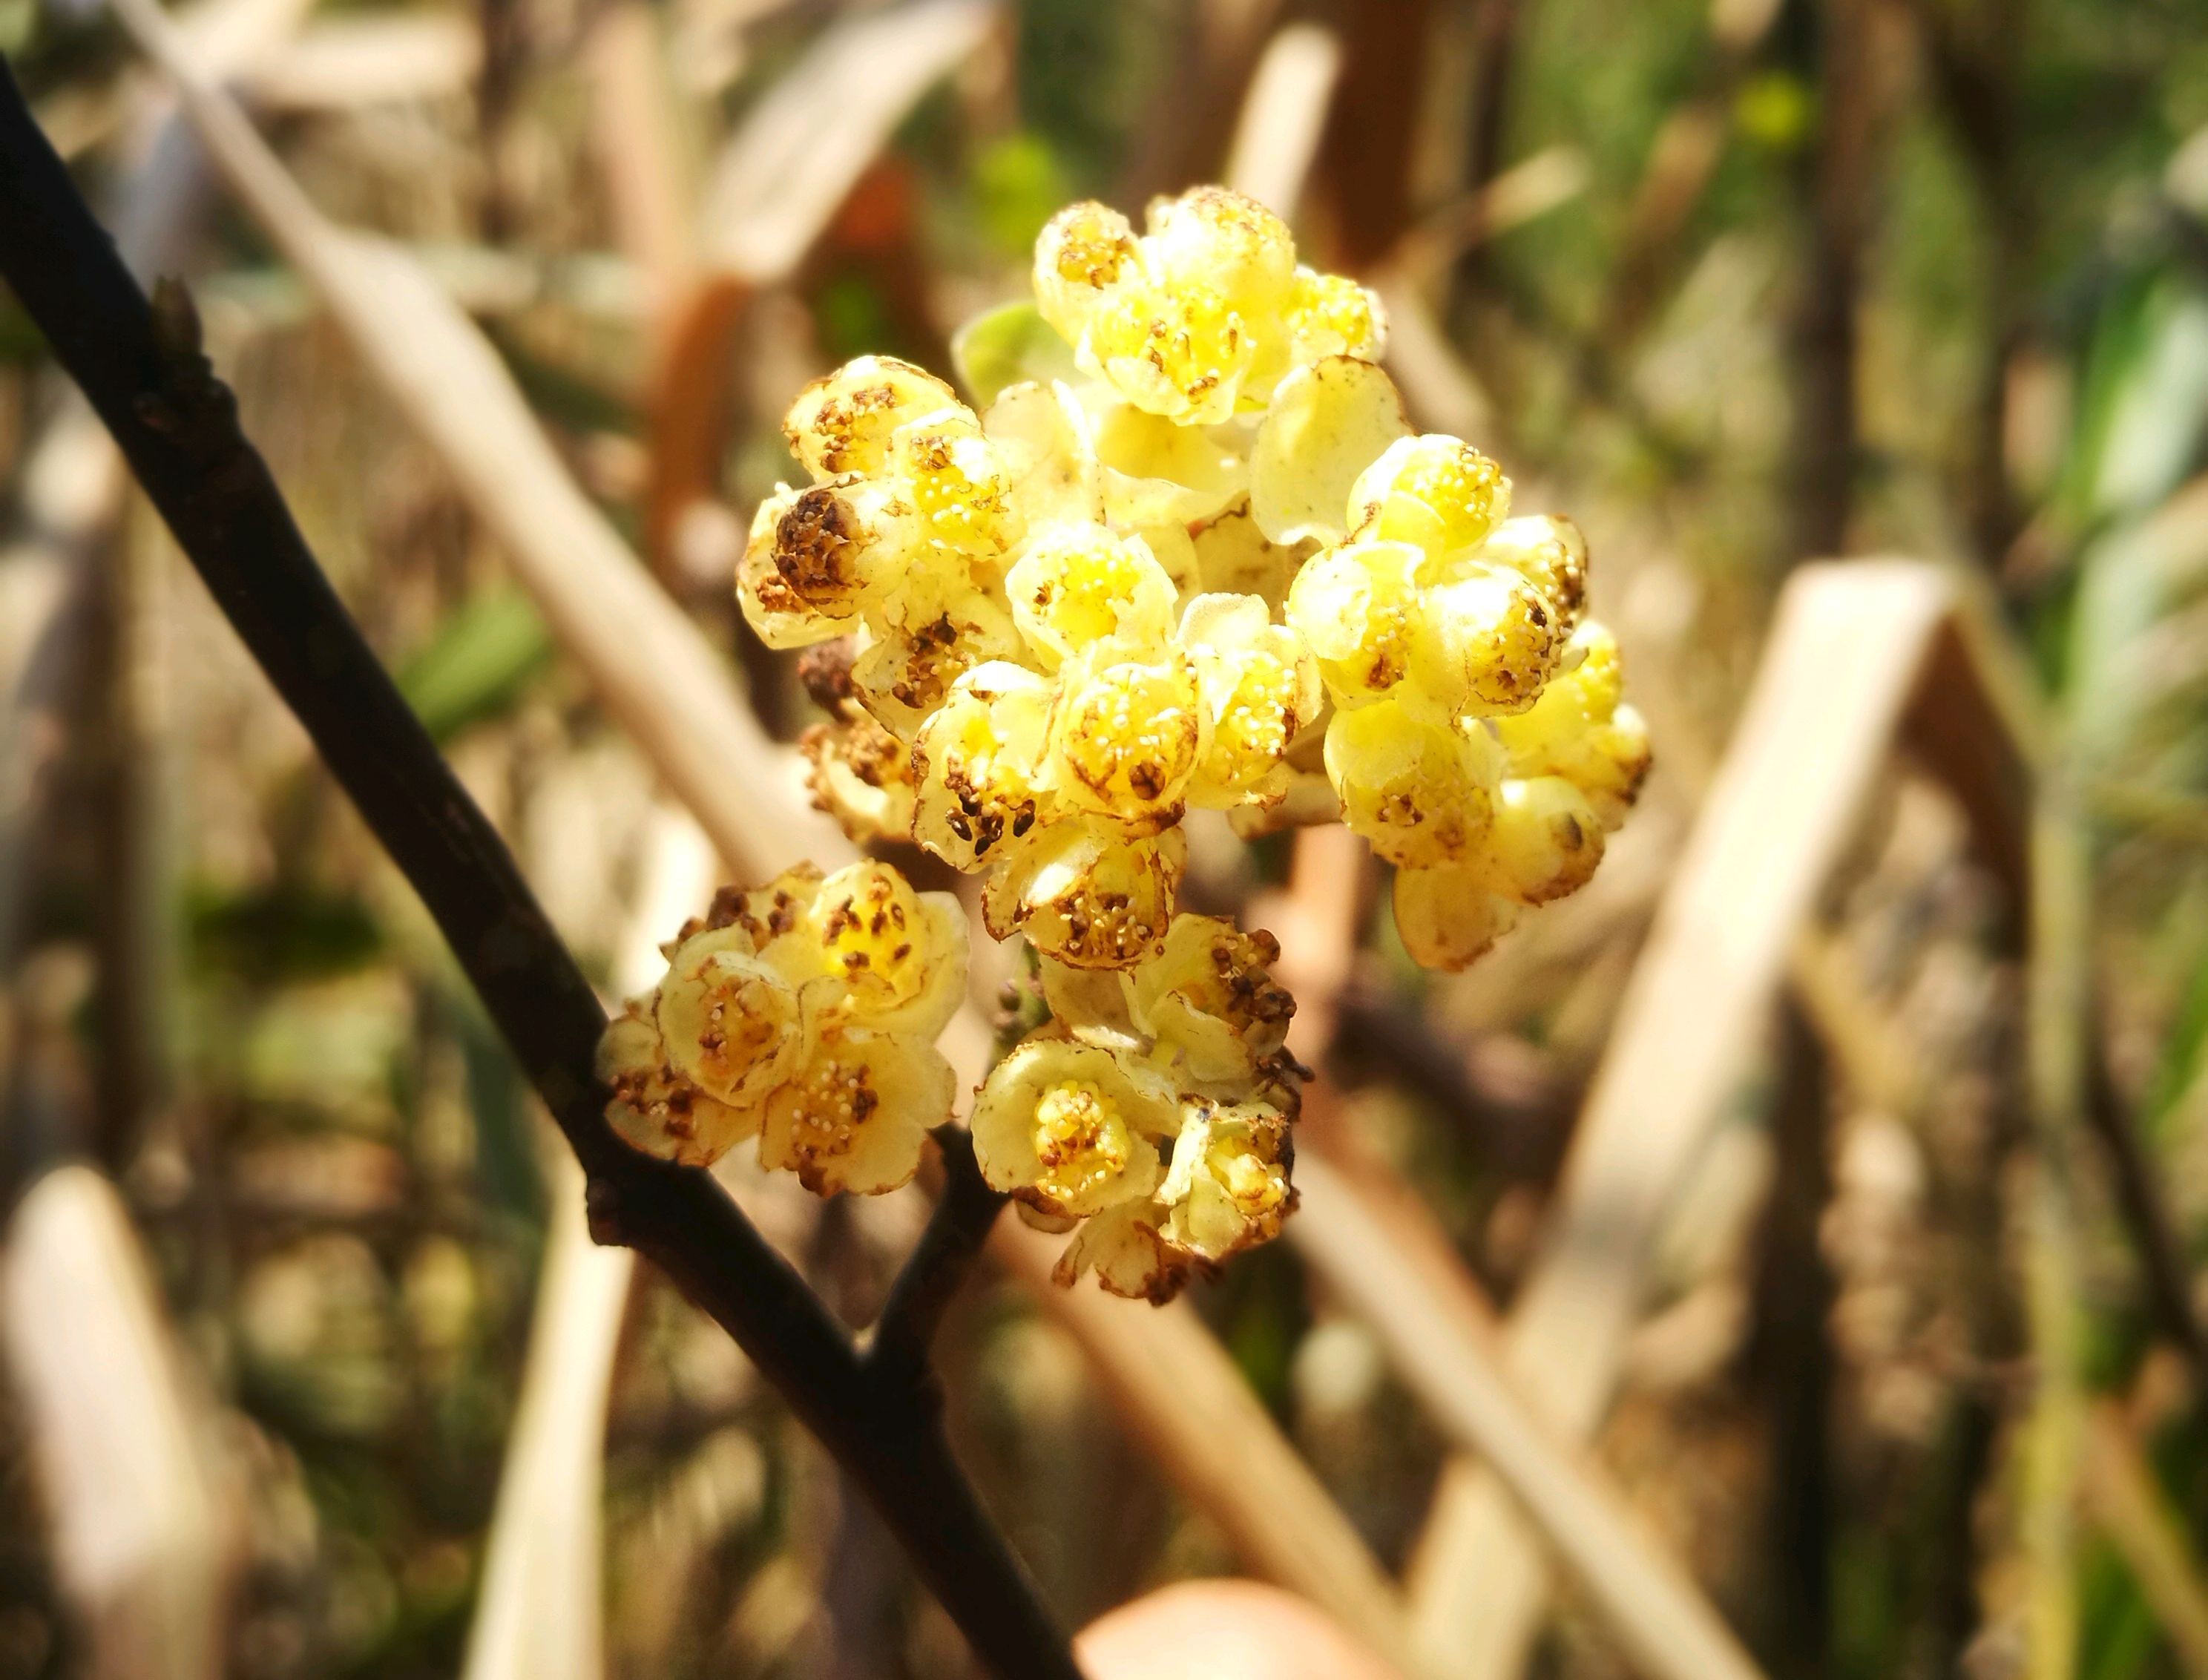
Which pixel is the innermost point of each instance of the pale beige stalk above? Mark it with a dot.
(1850, 647)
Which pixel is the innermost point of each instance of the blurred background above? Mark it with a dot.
(1910, 1374)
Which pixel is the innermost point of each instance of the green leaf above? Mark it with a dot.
(1005, 345)
(478, 662)
(2180, 1068)
(2143, 405)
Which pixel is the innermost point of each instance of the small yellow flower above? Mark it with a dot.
(843, 422)
(1544, 841)
(932, 634)
(1126, 734)
(729, 1019)
(1228, 1186)
(1581, 731)
(1179, 352)
(1448, 917)
(1548, 552)
(1421, 793)
(653, 1108)
(957, 481)
(856, 1115)
(1483, 645)
(1329, 315)
(1260, 686)
(1070, 1129)
(1209, 1000)
(896, 959)
(1087, 894)
(1084, 253)
(977, 765)
(1227, 241)
(1436, 493)
(1076, 586)
(1359, 608)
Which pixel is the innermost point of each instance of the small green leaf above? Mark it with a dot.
(1005, 345)
(477, 663)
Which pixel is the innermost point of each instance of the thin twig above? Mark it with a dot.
(178, 427)
(940, 1263)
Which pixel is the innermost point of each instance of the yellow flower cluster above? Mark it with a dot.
(1199, 319)
(1153, 1111)
(1063, 611)
(1477, 738)
(804, 1013)
(1183, 553)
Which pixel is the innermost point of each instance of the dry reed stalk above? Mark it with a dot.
(143, 1535)
(640, 153)
(538, 1615)
(1853, 644)
(1653, 1612)
(662, 682)
(1184, 1401)
(1369, 1236)
(771, 193)
(351, 64)
(1283, 116)
(2126, 1500)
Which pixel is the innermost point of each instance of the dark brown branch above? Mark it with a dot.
(940, 1265)
(178, 427)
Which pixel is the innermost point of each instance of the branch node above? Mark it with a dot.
(936, 1269)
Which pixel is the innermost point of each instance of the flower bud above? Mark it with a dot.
(1436, 493)
(1259, 686)
(1448, 916)
(843, 423)
(1357, 609)
(1421, 793)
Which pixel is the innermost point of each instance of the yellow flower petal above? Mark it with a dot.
(654, 1108)
(855, 1114)
(1448, 917)
(1327, 424)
